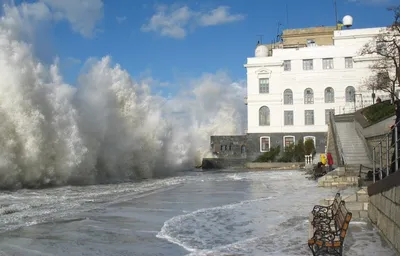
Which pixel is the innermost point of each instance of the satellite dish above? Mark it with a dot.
(347, 21)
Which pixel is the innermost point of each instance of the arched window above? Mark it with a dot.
(288, 97)
(308, 96)
(350, 94)
(264, 116)
(310, 138)
(329, 95)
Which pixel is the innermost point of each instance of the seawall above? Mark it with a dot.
(224, 163)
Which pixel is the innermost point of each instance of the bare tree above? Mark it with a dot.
(385, 71)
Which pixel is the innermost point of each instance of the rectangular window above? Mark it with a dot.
(288, 117)
(263, 85)
(309, 117)
(327, 63)
(327, 113)
(287, 65)
(308, 65)
(265, 145)
(348, 62)
(287, 141)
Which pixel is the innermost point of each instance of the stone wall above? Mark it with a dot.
(384, 207)
(229, 146)
(338, 178)
(276, 139)
(384, 211)
(248, 146)
(357, 204)
(275, 166)
(222, 163)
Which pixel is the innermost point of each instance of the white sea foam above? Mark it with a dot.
(186, 230)
(108, 127)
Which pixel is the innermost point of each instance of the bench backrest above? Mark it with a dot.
(342, 219)
(336, 203)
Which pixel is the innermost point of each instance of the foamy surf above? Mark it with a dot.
(106, 128)
(172, 229)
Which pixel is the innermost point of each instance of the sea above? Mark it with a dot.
(192, 213)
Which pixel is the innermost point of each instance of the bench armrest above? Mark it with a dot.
(321, 208)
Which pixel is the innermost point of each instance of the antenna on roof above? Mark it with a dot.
(278, 35)
(336, 13)
(261, 38)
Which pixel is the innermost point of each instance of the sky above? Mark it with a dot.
(169, 42)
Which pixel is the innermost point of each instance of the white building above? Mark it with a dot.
(293, 85)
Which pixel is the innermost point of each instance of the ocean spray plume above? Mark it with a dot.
(108, 128)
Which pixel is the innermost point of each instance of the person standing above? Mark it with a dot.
(330, 161)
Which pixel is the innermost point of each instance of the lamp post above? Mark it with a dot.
(373, 95)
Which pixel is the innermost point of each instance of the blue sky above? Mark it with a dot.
(174, 41)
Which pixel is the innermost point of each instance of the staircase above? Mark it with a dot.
(354, 151)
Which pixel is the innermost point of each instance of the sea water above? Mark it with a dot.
(249, 213)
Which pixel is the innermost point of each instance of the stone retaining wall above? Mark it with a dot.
(384, 211)
(338, 178)
(287, 166)
(357, 204)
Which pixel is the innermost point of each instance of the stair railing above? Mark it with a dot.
(383, 148)
(336, 139)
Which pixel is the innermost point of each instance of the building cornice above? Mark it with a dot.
(263, 65)
(366, 58)
(340, 37)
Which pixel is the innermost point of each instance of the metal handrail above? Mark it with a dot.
(386, 152)
(336, 138)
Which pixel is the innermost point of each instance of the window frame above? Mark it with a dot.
(287, 65)
(268, 117)
(288, 136)
(269, 143)
(305, 116)
(333, 95)
(346, 62)
(306, 99)
(306, 61)
(286, 92)
(260, 85)
(310, 137)
(325, 61)
(284, 117)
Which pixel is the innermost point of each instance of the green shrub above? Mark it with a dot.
(309, 147)
(269, 156)
(378, 112)
(288, 154)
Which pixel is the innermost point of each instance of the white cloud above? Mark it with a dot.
(218, 16)
(82, 15)
(121, 19)
(174, 20)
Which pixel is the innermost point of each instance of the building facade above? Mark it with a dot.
(293, 86)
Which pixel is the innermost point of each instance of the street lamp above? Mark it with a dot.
(373, 95)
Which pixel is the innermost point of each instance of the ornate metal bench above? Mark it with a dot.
(329, 239)
(324, 214)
